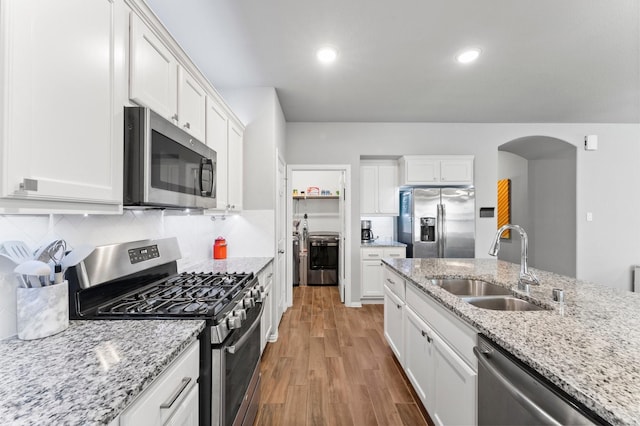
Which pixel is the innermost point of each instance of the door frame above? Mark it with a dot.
(346, 168)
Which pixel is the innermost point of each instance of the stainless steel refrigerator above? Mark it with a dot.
(437, 222)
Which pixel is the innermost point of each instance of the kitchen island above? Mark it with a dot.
(589, 347)
(89, 373)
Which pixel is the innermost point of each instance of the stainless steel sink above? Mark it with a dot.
(502, 303)
(467, 287)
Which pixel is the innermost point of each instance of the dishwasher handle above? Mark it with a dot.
(541, 415)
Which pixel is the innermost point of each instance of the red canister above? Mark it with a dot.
(220, 248)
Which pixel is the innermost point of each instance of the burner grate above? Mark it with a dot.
(186, 294)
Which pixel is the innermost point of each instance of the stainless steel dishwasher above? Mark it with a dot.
(510, 393)
(323, 258)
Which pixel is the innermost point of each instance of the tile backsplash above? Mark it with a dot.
(248, 234)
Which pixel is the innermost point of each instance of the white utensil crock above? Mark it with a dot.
(42, 311)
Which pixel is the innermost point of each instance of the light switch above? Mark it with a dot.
(589, 217)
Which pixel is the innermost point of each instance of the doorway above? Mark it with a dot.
(320, 193)
(542, 171)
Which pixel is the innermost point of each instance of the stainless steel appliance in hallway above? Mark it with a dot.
(437, 222)
(323, 253)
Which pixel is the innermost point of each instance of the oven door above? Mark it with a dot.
(233, 366)
(165, 166)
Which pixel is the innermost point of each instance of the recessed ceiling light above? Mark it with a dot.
(327, 54)
(468, 55)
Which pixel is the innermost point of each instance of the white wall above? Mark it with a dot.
(607, 247)
(248, 234)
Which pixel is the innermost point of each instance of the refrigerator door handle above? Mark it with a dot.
(443, 228)
(439, 233)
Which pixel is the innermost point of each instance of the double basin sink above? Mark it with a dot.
(485, 295)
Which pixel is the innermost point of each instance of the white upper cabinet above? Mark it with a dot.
(379, 188)
(436, 170)
(158, 81)
(191, 105)
(153, 79)
(234, 186)
(217, 139)
(63, 66)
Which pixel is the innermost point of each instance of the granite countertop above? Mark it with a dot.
(89, 373)
(376, 243)
(590, 347)
(232, 264)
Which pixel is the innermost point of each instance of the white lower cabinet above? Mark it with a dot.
(435, 349)
(419, 357)
(265, 278)
(172, 398)
(394, 322)
(453, 401)
(371, 268)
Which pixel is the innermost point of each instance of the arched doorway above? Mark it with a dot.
(542, 170)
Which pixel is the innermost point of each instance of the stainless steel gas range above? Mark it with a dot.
(139, 280)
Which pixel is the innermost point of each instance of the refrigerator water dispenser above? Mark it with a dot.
(427, 229)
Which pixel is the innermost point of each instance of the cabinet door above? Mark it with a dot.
(422, 171)
(62, 131)
(191, 105)
(456, 171)
(186, 413)
(419, 357)
(372, 278)
(153, 71)
(266, 321)
(217, 140)
(388, 197)
(235, 168)
(454, 400)
(368, 190)
(393, 323)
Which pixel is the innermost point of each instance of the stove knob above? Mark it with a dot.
(248, 302)
(234, 322)
(241, 313)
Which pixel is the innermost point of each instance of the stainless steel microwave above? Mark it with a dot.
(164, 166)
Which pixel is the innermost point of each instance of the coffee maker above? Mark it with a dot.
(365, 231)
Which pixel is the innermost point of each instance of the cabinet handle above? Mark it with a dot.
(187, 125)
(174, 117)
(394, 255)
(425, 334)
(399, 306)
(390, 281)
(270, 274)
(185, 382)
(372, 255)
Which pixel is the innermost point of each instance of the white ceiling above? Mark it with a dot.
(543, 61)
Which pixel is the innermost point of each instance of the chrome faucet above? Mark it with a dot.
(526, 278)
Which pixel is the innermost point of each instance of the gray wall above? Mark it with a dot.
(606, 250)
(552, 204)
(516, 168)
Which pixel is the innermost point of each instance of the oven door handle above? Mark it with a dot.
(241, 341)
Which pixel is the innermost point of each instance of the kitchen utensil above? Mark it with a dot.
(77, 255)
(31, 270)
(16, 251)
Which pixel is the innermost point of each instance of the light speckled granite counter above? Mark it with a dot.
(89, 373)
(590, 347)
(382, 244)
(233, 264)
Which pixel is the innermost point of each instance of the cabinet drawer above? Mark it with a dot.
(168, 392)
(372, 253)
(394, 282)
(458, 334)
(395, 252)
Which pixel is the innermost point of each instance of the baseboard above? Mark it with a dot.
(372, 301)
(354, 305)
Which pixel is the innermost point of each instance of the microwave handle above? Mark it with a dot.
(206, 192)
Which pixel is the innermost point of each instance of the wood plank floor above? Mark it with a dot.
(331, 365)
